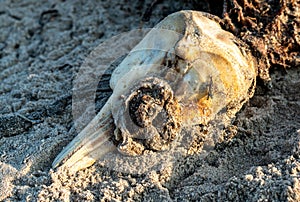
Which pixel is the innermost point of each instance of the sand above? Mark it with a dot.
(43, 45)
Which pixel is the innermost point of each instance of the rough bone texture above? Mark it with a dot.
(42, 43)
(200, 54)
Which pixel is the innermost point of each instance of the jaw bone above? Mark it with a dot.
(195, 70)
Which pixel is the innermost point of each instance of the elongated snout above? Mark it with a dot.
(91, 144)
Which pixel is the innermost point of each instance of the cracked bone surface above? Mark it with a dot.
(184, 72)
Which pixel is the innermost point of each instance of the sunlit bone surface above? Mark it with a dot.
(184, 72)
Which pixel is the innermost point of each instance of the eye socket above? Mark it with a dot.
(145, 105)
(153, 115)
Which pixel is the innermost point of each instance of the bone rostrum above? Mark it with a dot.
(184, 72)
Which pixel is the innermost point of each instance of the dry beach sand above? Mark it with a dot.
(44, 43)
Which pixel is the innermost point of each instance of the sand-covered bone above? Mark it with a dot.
(184, 72)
